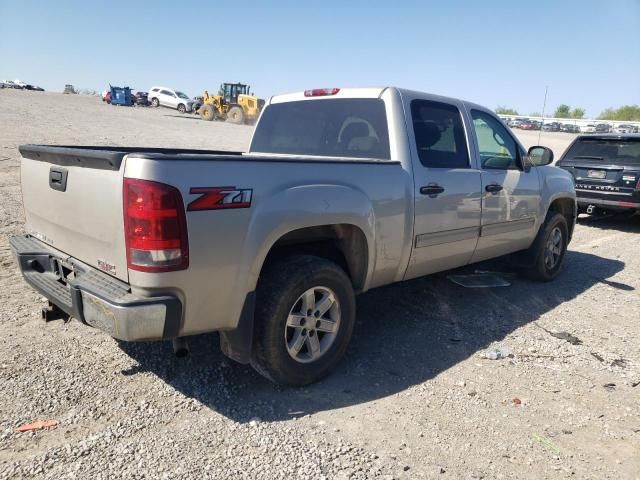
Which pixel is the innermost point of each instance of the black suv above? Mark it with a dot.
(606, 170)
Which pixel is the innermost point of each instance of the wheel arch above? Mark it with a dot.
(567, 207)
(344, 244)
(319, 217)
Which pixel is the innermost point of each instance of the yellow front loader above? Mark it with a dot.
(234, 103)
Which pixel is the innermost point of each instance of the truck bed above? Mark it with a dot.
(110, 158)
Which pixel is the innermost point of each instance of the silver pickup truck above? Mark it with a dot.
(341, 191)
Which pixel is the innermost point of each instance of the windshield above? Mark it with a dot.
(343, 127)
(622, 151)
(182, 95)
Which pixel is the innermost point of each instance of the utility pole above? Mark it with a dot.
(544, 105)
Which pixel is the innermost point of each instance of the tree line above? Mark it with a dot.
(629, 113)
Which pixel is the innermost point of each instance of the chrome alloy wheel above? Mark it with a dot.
(312, 324)
(553, 249)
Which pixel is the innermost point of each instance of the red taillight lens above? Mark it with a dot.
(321, 92)
(155, 227)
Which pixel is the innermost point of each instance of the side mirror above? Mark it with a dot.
(540, 156)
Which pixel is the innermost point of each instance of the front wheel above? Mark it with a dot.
(235, 115)
(207, 112)
(546, 254)
(305, 314)
(182, 108)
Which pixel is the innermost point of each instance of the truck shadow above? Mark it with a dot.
(405, 334)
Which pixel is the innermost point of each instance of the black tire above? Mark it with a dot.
(538, 266)
(155, 102)
(207, 112)
(235, 115)
(279, 290)
(182, 108)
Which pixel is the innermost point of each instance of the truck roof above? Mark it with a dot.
(358, 92)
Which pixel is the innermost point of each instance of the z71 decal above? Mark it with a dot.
(217, 198)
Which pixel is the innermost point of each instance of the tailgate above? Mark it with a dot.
(73, 202)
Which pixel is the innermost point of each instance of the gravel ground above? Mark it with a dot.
(413, 398)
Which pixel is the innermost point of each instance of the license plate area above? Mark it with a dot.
(600, 174)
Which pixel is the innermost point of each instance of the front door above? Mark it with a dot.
(447, 190)
(510, 189)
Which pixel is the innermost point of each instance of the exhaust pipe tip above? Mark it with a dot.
(180, 347)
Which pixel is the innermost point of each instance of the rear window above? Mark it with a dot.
(342, 127)
(607, 150)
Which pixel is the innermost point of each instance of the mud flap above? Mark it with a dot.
(237, 344)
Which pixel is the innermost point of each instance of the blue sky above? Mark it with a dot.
(494, 52)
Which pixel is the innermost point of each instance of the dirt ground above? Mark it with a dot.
(414, 397)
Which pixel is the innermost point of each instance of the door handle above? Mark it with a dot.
(431, 190)
(493, 188)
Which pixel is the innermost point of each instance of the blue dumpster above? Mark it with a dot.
(120, 96)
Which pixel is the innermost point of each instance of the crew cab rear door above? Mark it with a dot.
(447, 187)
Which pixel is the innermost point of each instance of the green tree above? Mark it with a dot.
(502, 110)
(629, 113)
(577, 112)
(563, 111)
(535, 114)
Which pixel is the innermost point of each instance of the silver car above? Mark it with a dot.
(169, 97)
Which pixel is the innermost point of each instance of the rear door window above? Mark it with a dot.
(439, 135)
(344, 127)
(623, 151)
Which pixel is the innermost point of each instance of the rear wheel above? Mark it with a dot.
(305, 314)
(155, 102)
(546, 254)
(235, 115)
(207, 112)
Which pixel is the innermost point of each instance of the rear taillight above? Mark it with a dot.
(638, 185)
(155, 227)
(321, 92)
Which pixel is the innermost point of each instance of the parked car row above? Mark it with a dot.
(554, 126)
(160, 97)
(18, 85)
(624, 128)
(524, 123)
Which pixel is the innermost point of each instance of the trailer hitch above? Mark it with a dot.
(53, 312)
